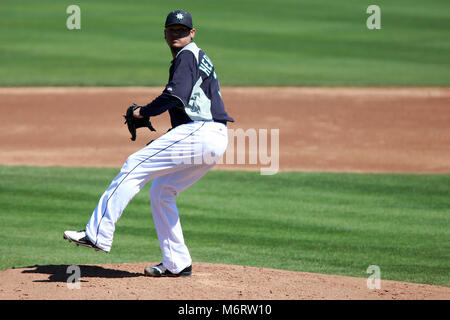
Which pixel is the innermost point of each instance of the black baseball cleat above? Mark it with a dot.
(161, 271)
(80, 239)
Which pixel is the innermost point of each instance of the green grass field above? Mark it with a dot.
(264, 42)
(314, 222)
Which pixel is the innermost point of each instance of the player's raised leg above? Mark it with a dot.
(154, 160)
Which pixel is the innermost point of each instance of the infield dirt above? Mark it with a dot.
(392, 130)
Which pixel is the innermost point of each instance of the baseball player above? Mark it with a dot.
(175, 160)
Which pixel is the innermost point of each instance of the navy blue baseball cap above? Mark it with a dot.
(179, 17)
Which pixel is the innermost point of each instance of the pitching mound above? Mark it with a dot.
(208, 282)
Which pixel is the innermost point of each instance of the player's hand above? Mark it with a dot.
(136, 113)
(134, 122)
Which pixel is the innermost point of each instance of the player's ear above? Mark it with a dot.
(192, 33)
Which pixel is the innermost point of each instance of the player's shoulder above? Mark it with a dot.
(189, 51)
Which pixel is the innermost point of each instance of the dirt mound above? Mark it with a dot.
(208, 282)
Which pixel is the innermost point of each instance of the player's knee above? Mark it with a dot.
(162, 193)
(131, 162)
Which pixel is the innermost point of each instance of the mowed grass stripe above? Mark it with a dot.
(252, 43)
(333, 223)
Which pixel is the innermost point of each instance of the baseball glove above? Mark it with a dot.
(135, 123)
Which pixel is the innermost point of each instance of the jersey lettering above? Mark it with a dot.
(206, 65)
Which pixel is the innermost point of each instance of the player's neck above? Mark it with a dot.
(175, 50)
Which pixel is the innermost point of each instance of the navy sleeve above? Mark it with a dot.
(183, 74)
(159, 105)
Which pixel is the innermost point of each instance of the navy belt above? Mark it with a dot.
(221, 121)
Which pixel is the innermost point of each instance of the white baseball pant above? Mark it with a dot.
(174, 161)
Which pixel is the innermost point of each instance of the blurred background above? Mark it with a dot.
(258, 43)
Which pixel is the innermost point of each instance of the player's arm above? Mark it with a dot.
(156, 107)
